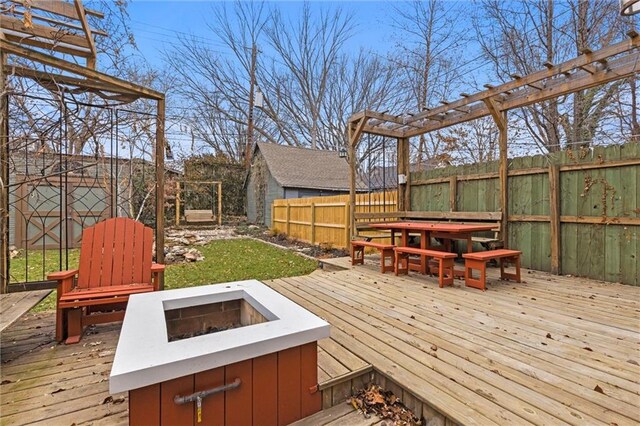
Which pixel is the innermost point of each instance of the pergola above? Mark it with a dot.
(591, 68)
(60, 27)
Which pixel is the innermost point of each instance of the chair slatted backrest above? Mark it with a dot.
(114, 252)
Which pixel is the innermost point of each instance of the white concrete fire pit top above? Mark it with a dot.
(145, 356)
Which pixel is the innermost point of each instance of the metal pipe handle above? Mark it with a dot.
(205, 393)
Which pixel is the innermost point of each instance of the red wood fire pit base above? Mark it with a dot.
(275, 389)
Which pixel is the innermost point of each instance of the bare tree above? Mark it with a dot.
(521, 38)
(430, 34)
(311, 84)
(309, 50)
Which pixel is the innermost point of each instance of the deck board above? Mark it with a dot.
(14, 305)
(49, 383)
(494, 344)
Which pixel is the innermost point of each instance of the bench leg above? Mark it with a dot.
(401, 259)
(510, 275)
(357, 255)
(387, 254)
(74, 325)
(479, 265)
(445, 272)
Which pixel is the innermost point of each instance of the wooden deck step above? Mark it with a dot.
(340, 415)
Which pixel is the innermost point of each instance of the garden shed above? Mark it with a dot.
(279, 171)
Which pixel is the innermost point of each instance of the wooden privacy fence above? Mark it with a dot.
(571, 212)
(325, 220)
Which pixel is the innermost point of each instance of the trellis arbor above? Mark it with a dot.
(47, 155)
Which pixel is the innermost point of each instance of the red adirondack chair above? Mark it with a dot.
(115, 262)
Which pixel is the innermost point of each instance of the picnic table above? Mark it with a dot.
(444, 231)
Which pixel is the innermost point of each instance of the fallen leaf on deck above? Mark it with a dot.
(598, 389)
(107, 400)
(375, 400)
(587, 348)
(58, 390)
(434, 348)
(6, 382)
(549, 336)
(631, 361)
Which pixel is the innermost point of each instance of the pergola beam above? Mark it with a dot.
(59, 79)
(91, 61)
(88, 73)
(520, 91)
(52, 34)
(60, 23)
(620, 68)
(61, 8)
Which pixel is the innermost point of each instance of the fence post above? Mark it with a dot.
(453, 192)
(554, 216)
(273, 215)
(347, 222)
(288, 226)
(313, 223)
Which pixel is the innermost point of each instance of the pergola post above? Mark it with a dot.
(500, 118)
(354, 131)
(404, 168)
(504, 181)
(4, 175)
(159, 154)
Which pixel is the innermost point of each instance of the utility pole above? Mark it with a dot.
(247, 152)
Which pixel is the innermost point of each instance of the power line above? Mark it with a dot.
(174, 31)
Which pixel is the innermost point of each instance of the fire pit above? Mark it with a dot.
(235, 353)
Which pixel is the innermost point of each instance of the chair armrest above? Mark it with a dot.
(61, 275)
(157, 267)
(157, 273)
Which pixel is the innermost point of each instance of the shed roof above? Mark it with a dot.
(294, 167)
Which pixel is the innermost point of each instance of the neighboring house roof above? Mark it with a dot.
(294, 167)
(387, 177)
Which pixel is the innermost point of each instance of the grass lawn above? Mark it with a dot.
(224, 260)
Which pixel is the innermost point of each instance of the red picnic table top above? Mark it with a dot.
(456, 228)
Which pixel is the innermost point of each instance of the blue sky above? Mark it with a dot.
(156, 23)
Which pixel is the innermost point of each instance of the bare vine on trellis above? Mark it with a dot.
(607, 189)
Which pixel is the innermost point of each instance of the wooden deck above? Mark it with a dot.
(46, 383)
(550, 350)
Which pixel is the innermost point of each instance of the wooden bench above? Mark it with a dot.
(115, 262)
(198, 216)
(478, 261)
(386, 253)
(444, 259)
